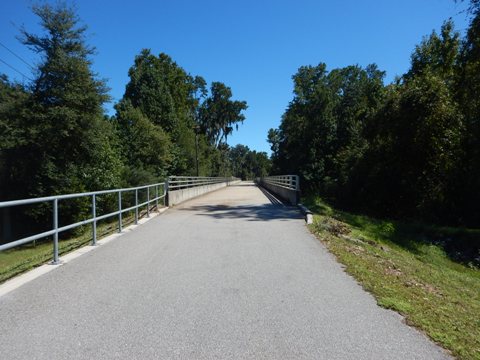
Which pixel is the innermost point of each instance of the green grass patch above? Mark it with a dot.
(18, 260)
(414, 269)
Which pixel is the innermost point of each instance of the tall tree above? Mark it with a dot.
(410, 165)
(437, 53)
(219, 114)
(320, 136)
(69, 145)
(145, 147)
(247, 164)
(169, 97)
(469, 99)
(13, 104)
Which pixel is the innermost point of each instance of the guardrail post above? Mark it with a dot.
(55, 236)
(119, 211)
(94, 223)
(136, 206)
(148, 201)
(165, 192)
(156, 198)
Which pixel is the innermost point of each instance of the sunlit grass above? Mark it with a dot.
(408, 269)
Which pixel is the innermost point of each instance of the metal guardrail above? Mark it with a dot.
(93, 220)
(291, 182)
(184, 182)
(173, 183)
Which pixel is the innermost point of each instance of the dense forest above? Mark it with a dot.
(406, 150)
(56, 138)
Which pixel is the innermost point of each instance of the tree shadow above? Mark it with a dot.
(276, 210)
(266, 212)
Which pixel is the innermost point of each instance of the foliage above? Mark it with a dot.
(70, 138)
(320, 134)
(218, 114)
(408, 149)
(178, 103)
(418, 134)
(164, 93)
(144, 146)
(13, 99)
(247, 164)
(468, 95)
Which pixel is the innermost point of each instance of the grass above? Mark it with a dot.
(416, 270)
(21, 259)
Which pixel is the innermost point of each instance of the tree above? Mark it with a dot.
(13, 98)
(13, 137)
(218, 114)
(169, 97)
(259, 164)
(468, 95)
(273, 139)
(237, 156)
(307, 129)
(409, 169)
(68, 144)
(437, 54)
(145, 147)
(321, 133)
(247, 164)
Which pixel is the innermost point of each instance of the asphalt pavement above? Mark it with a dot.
(229, 275)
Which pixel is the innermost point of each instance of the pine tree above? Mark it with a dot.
(69, 145)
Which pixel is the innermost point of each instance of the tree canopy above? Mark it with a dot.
(219, 114)
(409, 149)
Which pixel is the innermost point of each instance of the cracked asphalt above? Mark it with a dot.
(228, 275)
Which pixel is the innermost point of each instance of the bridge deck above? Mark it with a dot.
(225, 276)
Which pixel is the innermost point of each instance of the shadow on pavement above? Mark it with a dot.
(250, 212)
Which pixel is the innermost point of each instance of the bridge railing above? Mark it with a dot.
(155, 192)
(285, 186)
(182, 188)
(185, 182)
(291, 182)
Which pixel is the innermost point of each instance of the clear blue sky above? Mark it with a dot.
(253, 46)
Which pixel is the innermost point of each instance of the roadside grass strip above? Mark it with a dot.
(409, 272)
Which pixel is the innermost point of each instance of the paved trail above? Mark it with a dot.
(225, 276)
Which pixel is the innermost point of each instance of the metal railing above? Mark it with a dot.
(184, 182)
(291, 182)
(93, 220)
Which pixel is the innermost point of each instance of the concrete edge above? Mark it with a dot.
(177, 197)
(308, 214)
(31, 275)
(278, 199)
(182, 203)
(289, 195)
